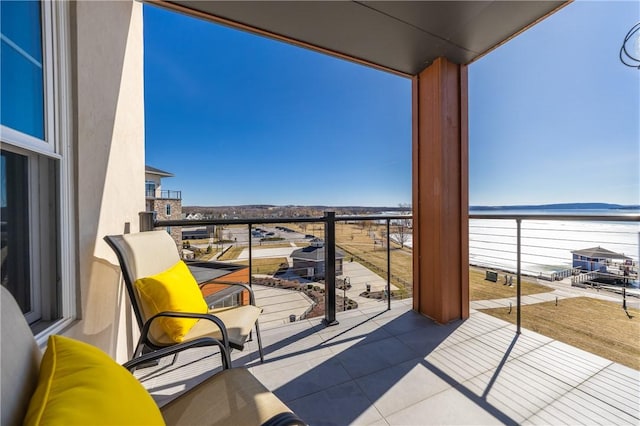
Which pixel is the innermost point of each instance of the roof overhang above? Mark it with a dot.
(403, 37)
(154, 171)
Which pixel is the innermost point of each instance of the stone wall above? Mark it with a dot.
(160, 207)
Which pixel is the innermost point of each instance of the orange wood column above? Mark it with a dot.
(440, 192)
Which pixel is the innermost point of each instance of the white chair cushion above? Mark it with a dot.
(156, 250)
(20, 361)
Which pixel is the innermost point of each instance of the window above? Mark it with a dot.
(168, 210)
(150, 189)
(35, 174)
(15, 230)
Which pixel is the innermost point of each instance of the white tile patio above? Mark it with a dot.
(398, 368)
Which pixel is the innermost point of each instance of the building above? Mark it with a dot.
(308, 262)
(595, 258)
(164, 203)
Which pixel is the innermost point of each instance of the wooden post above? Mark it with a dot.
(440, 192)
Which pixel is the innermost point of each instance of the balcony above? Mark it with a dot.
(163, 194)
(398, 367)
(383, 363)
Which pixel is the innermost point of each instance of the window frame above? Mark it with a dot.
(15, 137)
(56, 145)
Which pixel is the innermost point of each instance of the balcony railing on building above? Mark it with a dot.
(165, 194)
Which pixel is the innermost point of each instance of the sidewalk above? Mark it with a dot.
(562, 290)
(525, 300)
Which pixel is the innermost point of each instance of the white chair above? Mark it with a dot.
(149, 253)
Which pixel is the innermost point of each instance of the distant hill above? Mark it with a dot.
(273, 211)
(559, 206)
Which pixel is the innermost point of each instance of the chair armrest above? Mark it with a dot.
(252, 297)
(171, 350)
(208, 317)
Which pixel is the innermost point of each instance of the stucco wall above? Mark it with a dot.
(107, 45)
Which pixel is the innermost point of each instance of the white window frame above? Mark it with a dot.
(57, 145)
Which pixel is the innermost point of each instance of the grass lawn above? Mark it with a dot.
(481, 289)
(208, 256)
(268, 244)
(355, 240)
(264, 266)
(597, 326)
(232, 253)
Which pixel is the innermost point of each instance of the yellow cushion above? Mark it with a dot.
(173, 290)
(81, 385)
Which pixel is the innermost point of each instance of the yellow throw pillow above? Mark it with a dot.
(173, 290)
(81, 385)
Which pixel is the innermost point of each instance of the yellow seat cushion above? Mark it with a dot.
(81, 385)
(173, 290)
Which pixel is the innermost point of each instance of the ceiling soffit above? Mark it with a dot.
(400, 36)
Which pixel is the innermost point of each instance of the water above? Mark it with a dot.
(547, 244)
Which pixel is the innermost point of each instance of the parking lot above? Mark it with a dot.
(240, 235)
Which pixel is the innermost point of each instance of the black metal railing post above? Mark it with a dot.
(250, 259)
(518, 275)
(330, 268)
(388, 264)
(146, 221)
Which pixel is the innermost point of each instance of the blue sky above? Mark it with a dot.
(241, 119)
(554, 115)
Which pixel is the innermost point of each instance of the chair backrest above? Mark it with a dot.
(141, 255)
(20, 361)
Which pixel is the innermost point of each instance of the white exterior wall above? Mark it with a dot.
(109, 121)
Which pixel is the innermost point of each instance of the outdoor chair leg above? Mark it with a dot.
(259, 342)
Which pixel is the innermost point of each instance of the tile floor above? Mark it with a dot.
(398, 368)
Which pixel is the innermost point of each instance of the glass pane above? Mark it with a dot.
(21, 25)
(15, 228)
(150, 188)
(21, 67)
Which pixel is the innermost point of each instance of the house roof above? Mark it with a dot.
(599, 253)
(400, 36)
(158, 172)
(314, 253)
(208, 271)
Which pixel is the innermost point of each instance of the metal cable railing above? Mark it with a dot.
(541, 246)
(589, 250)
(384, 234)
